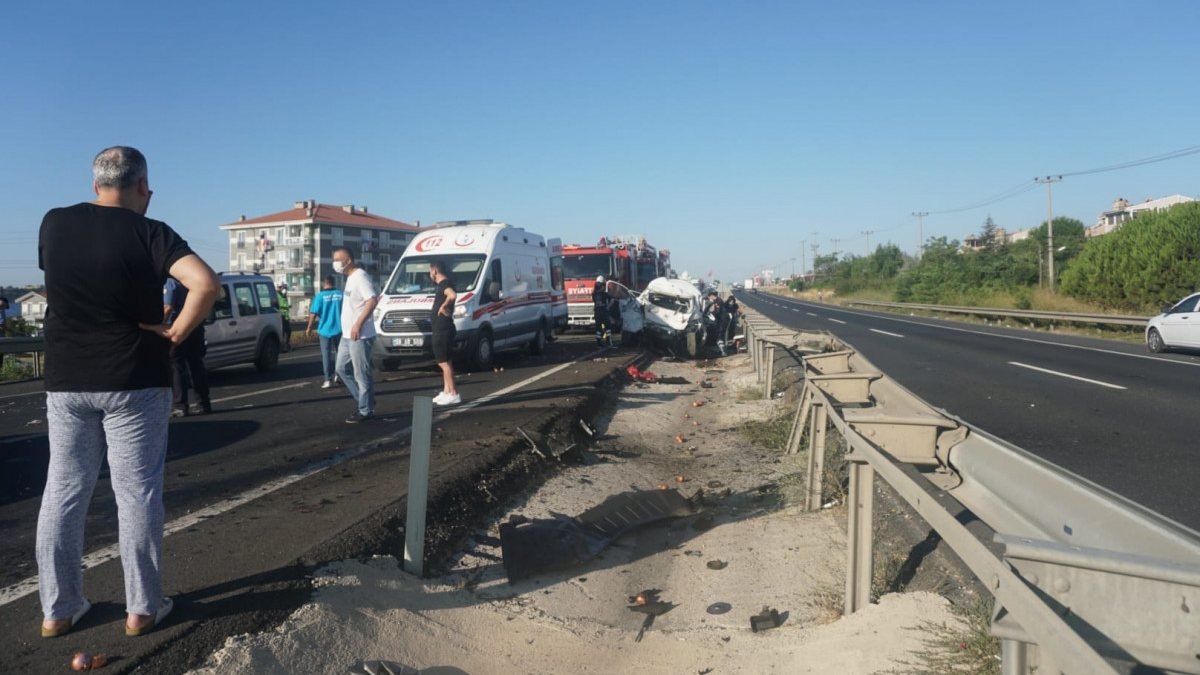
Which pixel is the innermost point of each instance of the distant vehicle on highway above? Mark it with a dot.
(244, 325)
(510, 293)
(1177, 326)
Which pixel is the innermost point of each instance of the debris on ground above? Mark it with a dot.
(767, 619)
(647, 602)
(640, 375)
(530, 547)
(382, 668)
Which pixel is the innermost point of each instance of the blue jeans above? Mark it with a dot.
(354, 367)
(329, 350)
(130, 429)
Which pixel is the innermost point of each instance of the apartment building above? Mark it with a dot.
(1122, 210)
(295, 246)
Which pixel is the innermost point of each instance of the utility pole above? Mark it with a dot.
(920, 231)
(793, 261)
(835, 245)
(868, 234)
(1049, 180)
(814, 248)
(802, 243)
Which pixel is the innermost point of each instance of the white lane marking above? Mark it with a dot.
(259, 392)
(1098, 350)
(28, 393)
(1066, 375)
(795, 309)
(810, 314)
(838, 321)
(103, 555)
(884, 332)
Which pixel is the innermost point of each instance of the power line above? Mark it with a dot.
(999, 197)
(1174, 154)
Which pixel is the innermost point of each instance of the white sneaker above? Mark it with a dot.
(448, 399)
(437, 400)
(326, 384)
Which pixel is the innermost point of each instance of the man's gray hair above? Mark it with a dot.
(118, 167)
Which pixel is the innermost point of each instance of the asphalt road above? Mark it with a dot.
(274, 479)
(1108, 411)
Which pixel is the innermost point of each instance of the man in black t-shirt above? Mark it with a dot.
(442, 320)
(108, 383)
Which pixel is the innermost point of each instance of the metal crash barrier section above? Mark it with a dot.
(1085, 581)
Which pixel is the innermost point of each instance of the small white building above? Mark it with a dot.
(296, 246)
(1123, 211)
(33, 307)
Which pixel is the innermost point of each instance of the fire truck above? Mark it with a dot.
(611, 257)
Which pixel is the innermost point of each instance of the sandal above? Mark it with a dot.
(164, 609)
(63, 630)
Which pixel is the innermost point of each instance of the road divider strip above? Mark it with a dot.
(98, 557)
(1066, 375)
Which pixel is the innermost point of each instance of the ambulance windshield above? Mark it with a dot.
(412, 274)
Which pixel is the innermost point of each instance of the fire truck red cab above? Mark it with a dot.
(581, 266)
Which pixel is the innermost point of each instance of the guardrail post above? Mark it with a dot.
(418, 485)
(816, 455)
(751, 346)
(861, 544)
(798, 424)
(1014, 657)
(769, 371)
(37, 364)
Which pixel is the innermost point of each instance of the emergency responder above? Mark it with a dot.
(601, 312)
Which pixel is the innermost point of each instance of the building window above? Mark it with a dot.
(241, 239)
(241, 262)
(294, 231)
(336, 236)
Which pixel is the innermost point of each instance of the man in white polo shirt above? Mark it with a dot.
(358, 334)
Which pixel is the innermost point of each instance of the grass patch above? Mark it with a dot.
(963, 648)
(743, 394)
(15, 369)
(771, 433)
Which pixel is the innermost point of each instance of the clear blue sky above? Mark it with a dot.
(727, 132)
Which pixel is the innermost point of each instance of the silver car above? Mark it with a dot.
(245, 324)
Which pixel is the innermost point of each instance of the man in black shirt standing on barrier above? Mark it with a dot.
(108, 383)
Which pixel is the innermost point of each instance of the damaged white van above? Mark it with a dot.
(510, 294)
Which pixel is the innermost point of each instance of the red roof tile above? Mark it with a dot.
(326, 213)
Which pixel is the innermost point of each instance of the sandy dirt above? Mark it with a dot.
(472, 620)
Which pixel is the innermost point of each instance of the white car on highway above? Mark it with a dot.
(1177, 326)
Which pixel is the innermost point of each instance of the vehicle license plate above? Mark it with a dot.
(408, 342)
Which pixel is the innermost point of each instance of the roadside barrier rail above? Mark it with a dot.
(1085, 581)
(1065, 317)
(25, 345)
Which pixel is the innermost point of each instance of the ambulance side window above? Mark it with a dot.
(556, 273)
(495, 282)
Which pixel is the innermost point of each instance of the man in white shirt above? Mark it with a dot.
(358, 335)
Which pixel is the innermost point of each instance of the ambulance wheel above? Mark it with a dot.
(693, 345)
(538, 344)
(482, 355)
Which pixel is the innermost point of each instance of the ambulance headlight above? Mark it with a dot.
(460, 312)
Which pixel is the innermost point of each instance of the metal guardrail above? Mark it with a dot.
(1085, 581)
(1066, 317)
(25, 345)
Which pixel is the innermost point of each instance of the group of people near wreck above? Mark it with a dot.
(720, 317)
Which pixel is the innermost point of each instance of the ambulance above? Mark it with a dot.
(510, 293)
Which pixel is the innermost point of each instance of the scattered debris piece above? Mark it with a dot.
(85, 661)
(651, 606)
(717, 564)
(640, 375)
(719, 608)
(697, 404)
(767, 619)
(530, 547)
(663, 486)
(679, 478)
(587, 428)
(714, 484)
(679, 438)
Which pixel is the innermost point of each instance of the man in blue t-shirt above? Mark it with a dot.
(187, 358)
(326, 311)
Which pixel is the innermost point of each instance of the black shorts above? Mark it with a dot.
(443, 338)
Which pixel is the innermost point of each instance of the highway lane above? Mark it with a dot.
(264, 428)
(1105, 410)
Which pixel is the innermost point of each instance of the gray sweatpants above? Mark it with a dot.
(132, 427)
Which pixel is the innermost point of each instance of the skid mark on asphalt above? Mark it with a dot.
(103, 555)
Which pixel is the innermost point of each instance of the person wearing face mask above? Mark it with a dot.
(359, 298)
(108, 383)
